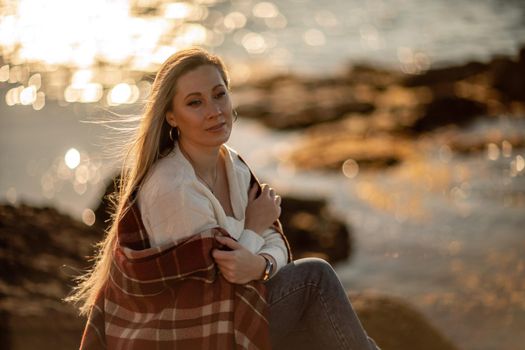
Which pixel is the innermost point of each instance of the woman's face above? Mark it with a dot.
(201, 96)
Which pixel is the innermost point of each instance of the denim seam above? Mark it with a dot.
(338, 332)
(292, 291)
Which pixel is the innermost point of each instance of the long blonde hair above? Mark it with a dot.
(149, 142)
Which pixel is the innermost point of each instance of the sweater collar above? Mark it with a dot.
(232, 176)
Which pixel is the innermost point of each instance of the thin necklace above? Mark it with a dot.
(200, 177)
(214, 181)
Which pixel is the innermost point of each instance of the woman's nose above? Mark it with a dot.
(215, 109)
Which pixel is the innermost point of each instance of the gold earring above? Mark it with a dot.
(171, 133)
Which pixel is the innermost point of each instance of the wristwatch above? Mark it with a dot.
(268, 269)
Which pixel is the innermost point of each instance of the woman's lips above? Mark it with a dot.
(216, 127)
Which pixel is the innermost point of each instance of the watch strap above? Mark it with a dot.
(268, 269)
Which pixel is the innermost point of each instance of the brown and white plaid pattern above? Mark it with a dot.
(173, 297)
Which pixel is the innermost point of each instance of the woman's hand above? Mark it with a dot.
(262, 211)
(239, 265)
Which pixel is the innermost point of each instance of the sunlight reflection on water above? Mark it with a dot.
(116, 42)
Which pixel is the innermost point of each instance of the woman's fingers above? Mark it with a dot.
(271, 194)
(253, 192)
(276, 198)
(267, 190)
(221, 255)
(227, 241)
(236, 266)
(263, 210)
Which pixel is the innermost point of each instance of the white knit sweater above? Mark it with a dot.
(175, 204)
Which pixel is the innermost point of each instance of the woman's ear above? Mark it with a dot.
(170, 118)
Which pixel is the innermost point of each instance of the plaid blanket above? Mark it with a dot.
(173, 296)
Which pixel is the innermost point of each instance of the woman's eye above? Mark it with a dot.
(198, 102)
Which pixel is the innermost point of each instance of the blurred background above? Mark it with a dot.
(398, 124)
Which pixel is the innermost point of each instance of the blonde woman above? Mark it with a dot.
(196, 257)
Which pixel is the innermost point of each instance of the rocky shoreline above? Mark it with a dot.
(395, 113)
(41, 250)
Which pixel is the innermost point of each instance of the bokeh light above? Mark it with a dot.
(72, 158)
(265, 10)
(493, 151)
(254, 43)
(234, 20)
(11, 195)
(314, 37)
(350, 168)
(520, 163)
(177, 10)
(35, 80)
(4, 73)
(28, 95)
(88, 217)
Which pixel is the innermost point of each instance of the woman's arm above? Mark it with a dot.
(260, 214)
(263, 211)
(274, 248)
(241, 265)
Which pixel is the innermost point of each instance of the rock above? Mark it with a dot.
(291, 103)
(331, 150)
(41, 251)
(509, 76)
(445, 74)
(55, 330)
(448, 111)
(313, 231)
(396, 325)
(376, 77)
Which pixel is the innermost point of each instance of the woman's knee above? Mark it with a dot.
(316, 263)
(318, 269)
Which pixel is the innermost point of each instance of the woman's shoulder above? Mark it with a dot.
(164, 176)
(238, 161)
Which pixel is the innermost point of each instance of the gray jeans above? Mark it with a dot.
(309, 309)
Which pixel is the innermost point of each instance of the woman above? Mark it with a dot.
(185, 192)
